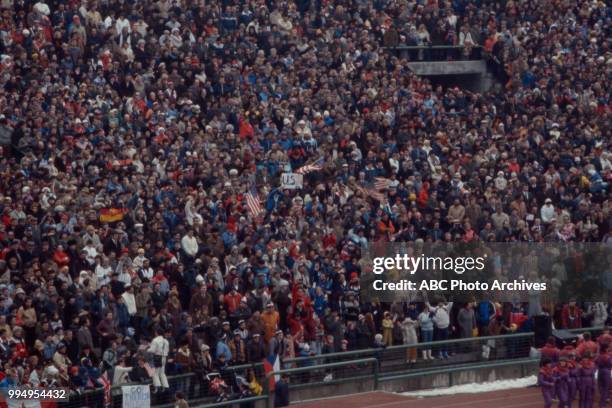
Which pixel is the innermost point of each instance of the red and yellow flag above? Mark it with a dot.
(112, 214)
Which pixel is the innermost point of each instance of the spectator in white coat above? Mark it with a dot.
(130, 300)
(441, 321)
(409, 336)
(547, 212)
(159, 347)
(189, 243)
(599, 313)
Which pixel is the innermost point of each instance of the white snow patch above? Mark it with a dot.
(476, 388)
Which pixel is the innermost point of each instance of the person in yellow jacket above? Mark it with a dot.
(387, 327)
(254, 386)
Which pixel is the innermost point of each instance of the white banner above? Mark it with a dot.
(25, 403)
(136, 396)
(292, 181)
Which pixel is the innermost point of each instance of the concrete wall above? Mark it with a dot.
(304, 392)
(418, 383)
(458, 378)
(313, 393)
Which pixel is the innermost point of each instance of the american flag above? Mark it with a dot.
(381, 183)
(108, 399)
(253, 203)
(309, 168)
(370, 192)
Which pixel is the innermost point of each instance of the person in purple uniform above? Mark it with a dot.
(546, 380)
(586, 381)
(573, 377)
(604, 367)
(562, 383)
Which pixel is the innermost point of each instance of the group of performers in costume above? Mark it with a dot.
(576, 372)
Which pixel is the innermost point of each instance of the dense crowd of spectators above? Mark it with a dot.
(143, 227)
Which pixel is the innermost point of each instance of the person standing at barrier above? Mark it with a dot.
(203, 365)
(486, 312)
(599, 314)
(387, 329)
(604, 369)
(466, 320)
(159, 347)
(427, 331)
(546, 381)
(441, 320)
(281, 392)
(562, 383)
(409, 335)
(586, 381)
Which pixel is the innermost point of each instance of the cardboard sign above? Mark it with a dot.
(292, 181)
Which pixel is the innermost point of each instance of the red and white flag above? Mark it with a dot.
(253, 203)
(272, 364)
(309, 168)
(372, 193)
(108, 398)
(381, 183)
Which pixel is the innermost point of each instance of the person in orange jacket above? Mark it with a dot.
(270, 318)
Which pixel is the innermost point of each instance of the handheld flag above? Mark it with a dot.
(253, 203)
(314, 166)
(112, 214)
(108, 399)
(371, 193)
(272, 364)
(381, 183)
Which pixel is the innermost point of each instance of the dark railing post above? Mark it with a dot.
(376, 371)
(268, 390)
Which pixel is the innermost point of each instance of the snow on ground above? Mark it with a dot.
(476, 388)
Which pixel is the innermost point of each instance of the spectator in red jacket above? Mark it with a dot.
(60, 257)
(232, 301)
(571, 316)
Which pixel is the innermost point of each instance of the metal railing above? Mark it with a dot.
(347, 366)
(356, 370)
(460, 351)
(451, 370)
(597, 329)
(230, 403)
(190, 384)
(424, 53)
